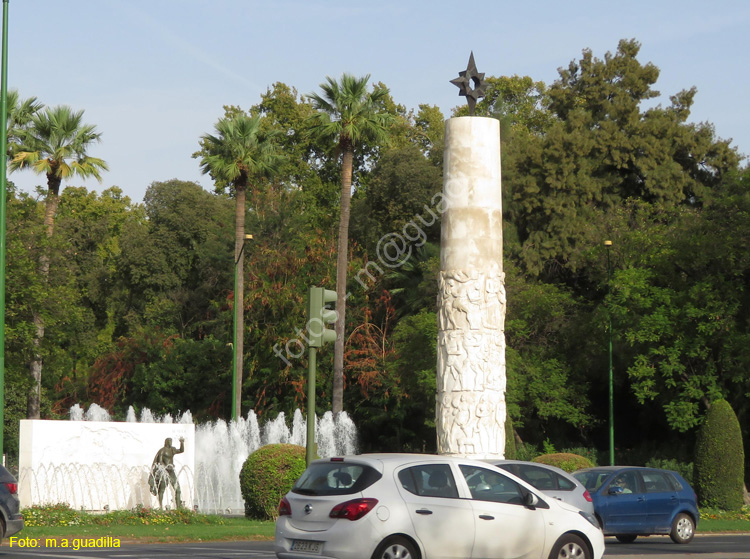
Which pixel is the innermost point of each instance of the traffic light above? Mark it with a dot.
(318, 316)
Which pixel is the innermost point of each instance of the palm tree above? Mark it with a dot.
(53, 142)
(347, 116)
(239, 153)
(20, 113)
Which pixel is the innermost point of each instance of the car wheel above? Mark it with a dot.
(395, 547)
(683, 528)
(626, 538)
(570, 546)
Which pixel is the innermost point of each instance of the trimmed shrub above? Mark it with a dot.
(267, 475)
(591, 454)
(719, 459)
(565, 461)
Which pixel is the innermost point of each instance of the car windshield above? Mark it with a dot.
(592, 479)
(335, 478)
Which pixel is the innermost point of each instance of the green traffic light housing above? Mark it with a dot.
(318, 316)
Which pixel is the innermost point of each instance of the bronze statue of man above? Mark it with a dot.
(163, 474)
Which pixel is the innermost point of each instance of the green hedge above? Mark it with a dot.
(720, 459)
(267, 475)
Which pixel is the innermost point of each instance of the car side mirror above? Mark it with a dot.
(615, 490)
(530, 500)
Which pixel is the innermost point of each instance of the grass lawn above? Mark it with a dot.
(706, 526)
(151, 528)
(720, 521)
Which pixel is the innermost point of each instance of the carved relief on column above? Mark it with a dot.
(470, 410)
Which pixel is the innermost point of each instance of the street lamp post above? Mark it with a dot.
(239, 328)
(608, 244)
(3, 188)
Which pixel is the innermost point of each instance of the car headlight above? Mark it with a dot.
(590, 517)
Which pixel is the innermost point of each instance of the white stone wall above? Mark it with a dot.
(98, 465)
(470, 402)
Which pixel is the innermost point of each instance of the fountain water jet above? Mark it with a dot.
(91, 462)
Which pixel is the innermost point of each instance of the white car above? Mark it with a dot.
(551, 481)
(413, 506)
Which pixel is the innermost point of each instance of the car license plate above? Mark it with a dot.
(307, 546)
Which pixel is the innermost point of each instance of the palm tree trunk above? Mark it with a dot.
(239, 295)
(53, 201)
(342, 263)
(34, 398)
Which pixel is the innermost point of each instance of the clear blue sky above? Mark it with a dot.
(153, 75)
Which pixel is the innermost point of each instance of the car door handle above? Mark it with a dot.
(486, 517)
(424, 511)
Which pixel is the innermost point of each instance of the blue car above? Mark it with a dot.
(631, 501)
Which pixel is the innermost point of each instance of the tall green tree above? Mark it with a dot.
(238, 155)
(55, 143)
(80, 319)
(680, 301)
(399, 198)
(601, 146)
(518, 102)
(429, 133)
(308, 185)
(168, 304)
(347, 117)
(23, 293)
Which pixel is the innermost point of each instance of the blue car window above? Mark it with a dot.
(656, 482)
(674, 482)
(592, 479)
(627, 482)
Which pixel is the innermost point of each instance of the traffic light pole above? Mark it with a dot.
(318, 317)
(310, 448)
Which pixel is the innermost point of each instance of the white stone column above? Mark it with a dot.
(470, 401)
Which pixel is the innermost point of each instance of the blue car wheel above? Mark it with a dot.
(683, 529)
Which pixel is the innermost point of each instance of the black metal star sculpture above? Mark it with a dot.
(471, 84)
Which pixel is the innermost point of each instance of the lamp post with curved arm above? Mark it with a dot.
(239, 327)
